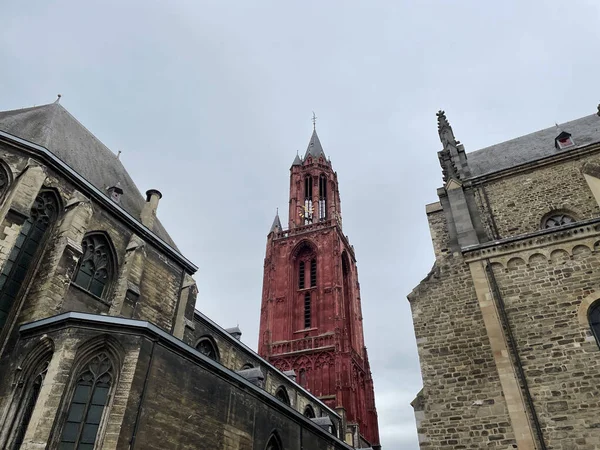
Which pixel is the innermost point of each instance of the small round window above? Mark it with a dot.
(558, 220)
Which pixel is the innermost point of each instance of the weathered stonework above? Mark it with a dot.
(506, 349)
(102, 303)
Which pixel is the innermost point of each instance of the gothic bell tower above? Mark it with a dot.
(311, 319)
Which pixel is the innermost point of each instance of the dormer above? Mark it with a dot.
(563, 140)
(115, 192)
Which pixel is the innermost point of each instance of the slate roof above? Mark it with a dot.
(297, 161)
(276, 224)
(533, 146)
(53, 127)
(314, 149)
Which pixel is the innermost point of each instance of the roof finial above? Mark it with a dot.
(598, 113)
(57, 98)
(277, 210)
(314, 121)
(118, 154)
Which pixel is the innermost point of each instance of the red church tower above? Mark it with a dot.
(311, 319)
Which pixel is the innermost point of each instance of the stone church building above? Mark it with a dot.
(311, 320)
(507, 321)
(100, 344)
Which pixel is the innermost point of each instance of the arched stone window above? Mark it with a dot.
(5, 180)
(322, 197)
(27, 389)
(207, 346)
(95, 269)
(557, 219)
(594, 319)
(26, 250)
(282, 395)
(309, 412)
(274, 442)
(90, 398)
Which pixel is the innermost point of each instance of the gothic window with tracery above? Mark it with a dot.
(208, 348)
(4, 182)
(557, 220)
(274, 443)
(308, 203)
(30, 392)
(95, 269)
(89, 401)
(16, 268)
(594, 318)
(282, 395)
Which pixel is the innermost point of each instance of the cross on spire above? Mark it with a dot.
(314, 121)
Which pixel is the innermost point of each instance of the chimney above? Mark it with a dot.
(149, 210)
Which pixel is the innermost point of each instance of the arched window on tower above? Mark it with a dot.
(95, 269)
(301, 280)
(558, 218)
(322, 197)
(594, 318)
(313, 272)
(26, 250)
(207, 346)
(91, 393)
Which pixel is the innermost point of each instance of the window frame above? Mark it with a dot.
(208, 338)
(111, 264)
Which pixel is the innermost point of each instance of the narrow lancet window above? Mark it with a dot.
(301, 275)
(313, 272)
(308, 204)
(307, 321)
(322, 197)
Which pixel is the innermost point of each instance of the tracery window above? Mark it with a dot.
(557, 220)
(274, 443)
(308, 203)
(43, 214)
(4, 182)
(208, 348)
(90, 398)
(282, 395)
(30, 389)
(594, 319)
(95, 268)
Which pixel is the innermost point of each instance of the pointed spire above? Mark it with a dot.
(445, 130)
(276, 227)
(297, 160)
(314, 149)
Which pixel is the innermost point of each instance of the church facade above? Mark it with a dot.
(507, 321)
(311, 319)
(100, 344)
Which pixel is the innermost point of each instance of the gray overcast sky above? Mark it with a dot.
(210, 100)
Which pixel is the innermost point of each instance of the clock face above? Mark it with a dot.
(306, 212)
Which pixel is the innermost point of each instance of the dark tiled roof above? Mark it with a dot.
(54, 128)
(533, 146)
(314, 149)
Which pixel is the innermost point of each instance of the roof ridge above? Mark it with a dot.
(561, 125)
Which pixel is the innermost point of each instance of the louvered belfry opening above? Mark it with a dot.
(313, 272)
(322, 197)
(301, 268)
(308, 204)
(307, 312)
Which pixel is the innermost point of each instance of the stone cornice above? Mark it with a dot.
(567, 237)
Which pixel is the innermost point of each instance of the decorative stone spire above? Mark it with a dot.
(297, 160)
(453, 158)
(276, 227)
